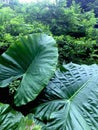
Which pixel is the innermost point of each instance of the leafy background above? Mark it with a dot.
(74, 26)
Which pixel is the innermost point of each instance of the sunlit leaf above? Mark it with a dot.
(32, 59)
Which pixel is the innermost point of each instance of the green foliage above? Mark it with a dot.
(69, 93)
(17, 26)
(70, 101)
(77, 38)
(13, 25)
(71, 22)
(88, 5)
(9, 118)
(33, 59)
(8, 38)
(61, 19)
(6, 13)
(38, 27)
(28, 124)
(13, 86)
(76, 26)
(77, 50)
(13, 120)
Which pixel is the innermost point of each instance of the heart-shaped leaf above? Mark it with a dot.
(70, 101)
(32, 58)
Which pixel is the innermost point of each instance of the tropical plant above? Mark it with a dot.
(32, 60)
(70, 101)
(14, 120)
(9, 118)
(27, 124)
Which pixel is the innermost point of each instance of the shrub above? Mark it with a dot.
(77, 50)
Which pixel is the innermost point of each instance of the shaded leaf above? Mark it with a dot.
(70, 101)
(9, 118)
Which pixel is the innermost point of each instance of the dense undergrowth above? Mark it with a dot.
(71, 26)
(39, 88)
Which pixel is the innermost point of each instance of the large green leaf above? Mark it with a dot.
(9, 118)
(70, 101)
(14, 120)
(32, 58)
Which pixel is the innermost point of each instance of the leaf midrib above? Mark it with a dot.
(78, 91)
(33, 59)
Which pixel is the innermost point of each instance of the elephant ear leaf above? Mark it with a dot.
(70, 101)
(33, 59)
(9, 118)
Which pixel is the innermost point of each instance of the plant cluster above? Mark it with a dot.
(76, 26)
(43, 93)
(72, 22)
(25, 69)
(13, 25)
(78, 50)
(70, 96)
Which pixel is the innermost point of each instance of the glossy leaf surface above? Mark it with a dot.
(70, 101)
(33, 59)
(9, 118)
